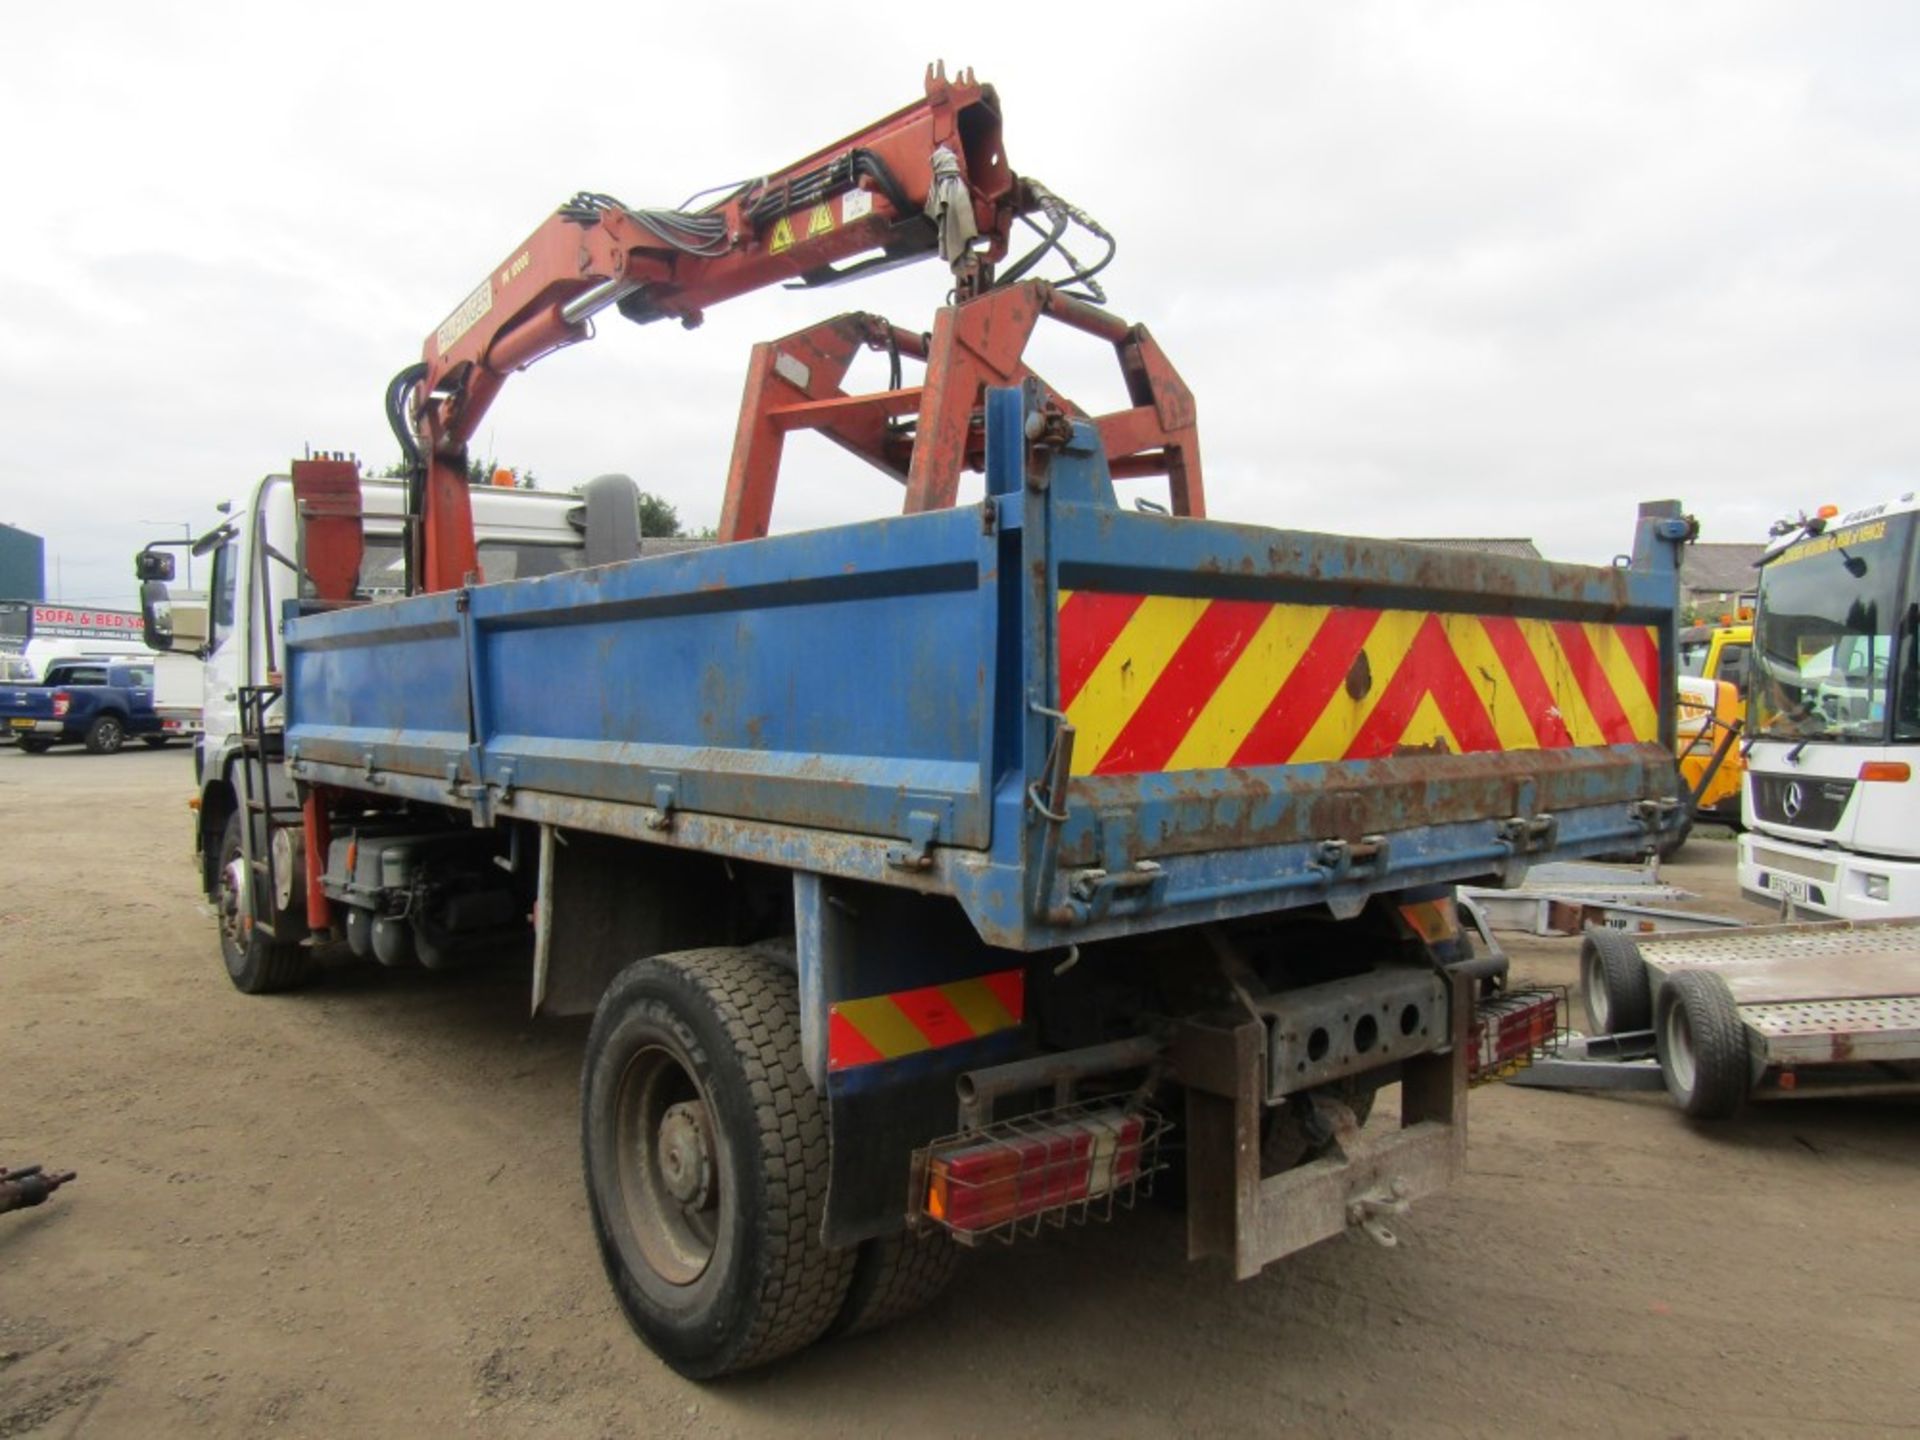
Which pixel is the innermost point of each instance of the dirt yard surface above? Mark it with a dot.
(357, 1210)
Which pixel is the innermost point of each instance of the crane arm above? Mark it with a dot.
(929, 178)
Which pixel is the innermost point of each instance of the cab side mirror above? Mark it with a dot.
(156, 607)
(152, 565)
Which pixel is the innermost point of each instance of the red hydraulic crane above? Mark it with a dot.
(929, 178)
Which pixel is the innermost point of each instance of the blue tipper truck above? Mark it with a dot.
(937, 878)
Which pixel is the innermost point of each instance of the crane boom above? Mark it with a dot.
(931, 177)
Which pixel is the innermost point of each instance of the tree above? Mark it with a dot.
(479, 472)
(658, 519)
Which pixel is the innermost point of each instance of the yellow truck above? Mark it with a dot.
(1711, 698)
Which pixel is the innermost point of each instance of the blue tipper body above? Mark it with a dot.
(876, 702)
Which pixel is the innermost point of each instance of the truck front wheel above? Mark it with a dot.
(706, 1162)
(255, 964)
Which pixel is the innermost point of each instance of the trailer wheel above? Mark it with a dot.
(1702, 1045)
(893, 1277)
(706, 1162)
(1613, 978)
(106, 735)
(255, 964)
(34, 744)
(155, 742)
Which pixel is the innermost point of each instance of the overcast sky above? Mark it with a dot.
(1429, 269)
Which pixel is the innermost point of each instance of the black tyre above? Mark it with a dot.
(1702, 1045)
(894, 1277)
(706, 1162)
(34, 744)
(1613, 980)
(155, 742)
(106, 735)
(1673, 844)
(255, 964)
(1286, 1141)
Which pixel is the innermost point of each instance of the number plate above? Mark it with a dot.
(1791, 886)
(21, 722)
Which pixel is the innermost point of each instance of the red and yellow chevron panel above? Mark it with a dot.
(886, 1027)
(1165, 682)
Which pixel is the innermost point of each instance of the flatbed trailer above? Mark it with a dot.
(1718, 1018)
(940, 877)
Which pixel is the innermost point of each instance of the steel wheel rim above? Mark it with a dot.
(233, 899)
(1599, 1004)
(667, 1166)
(1680, 1059)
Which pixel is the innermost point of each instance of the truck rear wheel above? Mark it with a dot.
(106, 735)
(895, 1276)
(1613, 979)
(255, 964)
(706, 1162)
(1702, 1045)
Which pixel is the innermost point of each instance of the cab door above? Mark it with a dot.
(220, 711)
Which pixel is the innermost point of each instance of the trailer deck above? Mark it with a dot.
(1825, 1009)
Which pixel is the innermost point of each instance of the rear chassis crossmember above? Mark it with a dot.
(1252, 1220)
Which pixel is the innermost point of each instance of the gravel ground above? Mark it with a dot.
(357, 1210)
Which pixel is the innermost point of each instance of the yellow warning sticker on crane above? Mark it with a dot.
(819, 220)
(782, 240)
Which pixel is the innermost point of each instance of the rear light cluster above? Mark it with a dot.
(1053, 1166)
(1510, 1029)
(61, 702)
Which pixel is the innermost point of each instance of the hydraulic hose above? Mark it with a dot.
(399, 389)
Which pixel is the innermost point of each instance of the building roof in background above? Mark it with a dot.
(1514, 546)
(1720, 568)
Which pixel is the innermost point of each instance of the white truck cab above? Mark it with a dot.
(1832, 800)
(255, 553)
